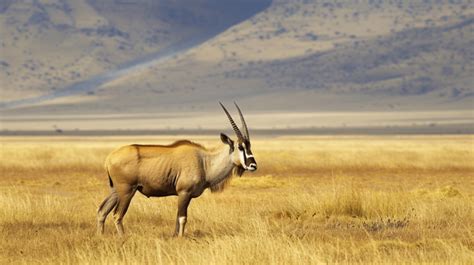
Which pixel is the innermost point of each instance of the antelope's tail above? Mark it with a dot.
(111, 183)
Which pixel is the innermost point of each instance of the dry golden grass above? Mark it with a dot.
(313, 200)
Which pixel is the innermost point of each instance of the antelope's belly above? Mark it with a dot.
(155, 191)
(156, 186)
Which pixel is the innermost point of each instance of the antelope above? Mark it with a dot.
(184, 169)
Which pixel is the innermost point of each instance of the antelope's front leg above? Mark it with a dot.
(183, 202)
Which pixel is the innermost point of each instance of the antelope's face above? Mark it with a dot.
(246, 158)
(242, 156)
(240, 153)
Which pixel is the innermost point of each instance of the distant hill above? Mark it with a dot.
(412, 62)
(300, 55)
(47, 45)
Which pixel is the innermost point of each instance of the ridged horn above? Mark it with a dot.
(244, 125)
(236, 129)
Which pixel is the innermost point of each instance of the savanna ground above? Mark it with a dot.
(388, 199)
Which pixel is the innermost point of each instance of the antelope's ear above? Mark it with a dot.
(225, 139)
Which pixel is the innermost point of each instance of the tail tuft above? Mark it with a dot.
(110, 180)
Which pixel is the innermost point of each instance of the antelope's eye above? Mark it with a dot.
(241, 148)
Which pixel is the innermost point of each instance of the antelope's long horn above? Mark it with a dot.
(236, 129)
(244, 125)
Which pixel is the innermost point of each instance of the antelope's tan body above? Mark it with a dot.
(157, 170)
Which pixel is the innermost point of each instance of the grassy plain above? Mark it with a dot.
(314, 200)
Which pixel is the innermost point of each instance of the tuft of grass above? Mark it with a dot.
(348, 202)
(449, 191)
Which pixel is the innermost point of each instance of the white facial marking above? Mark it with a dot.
(242, 159)
(252, 167)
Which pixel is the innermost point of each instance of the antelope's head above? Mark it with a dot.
(242, 155)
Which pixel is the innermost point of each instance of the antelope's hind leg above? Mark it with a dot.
(125, 195)
(104, 209)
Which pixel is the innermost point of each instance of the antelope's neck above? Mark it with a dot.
(218, 165)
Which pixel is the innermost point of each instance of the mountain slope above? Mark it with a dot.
(47, 45)
(411, 62)
(340, 55)
(305, 56)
